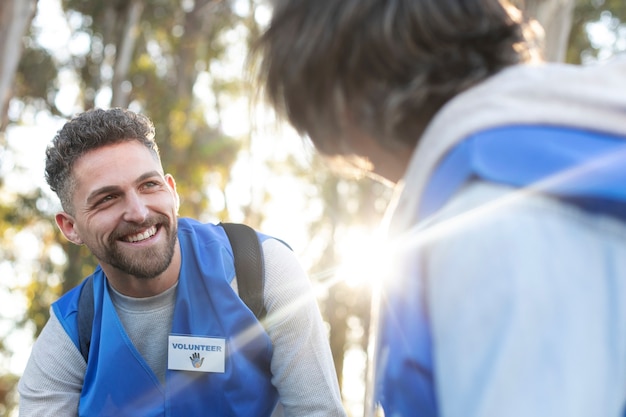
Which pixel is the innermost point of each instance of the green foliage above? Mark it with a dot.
(612, 13)
(36, 75)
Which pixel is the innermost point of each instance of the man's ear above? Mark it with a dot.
(172, 184)
(66, 225)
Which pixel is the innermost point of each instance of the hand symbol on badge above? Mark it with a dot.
(196, 360)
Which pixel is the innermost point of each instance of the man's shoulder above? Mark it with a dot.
(195, 230)
(188, 225)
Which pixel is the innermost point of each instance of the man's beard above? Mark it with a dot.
(152, 262)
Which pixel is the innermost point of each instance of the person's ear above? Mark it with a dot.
(172, 184)
(66, 224)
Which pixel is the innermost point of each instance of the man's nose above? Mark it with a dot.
(136, 210)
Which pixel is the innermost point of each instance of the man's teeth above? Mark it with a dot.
(142, 236)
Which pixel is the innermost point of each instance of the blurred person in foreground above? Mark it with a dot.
(507, 296)
(166, 299)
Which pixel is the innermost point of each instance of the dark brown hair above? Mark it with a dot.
(385, 66)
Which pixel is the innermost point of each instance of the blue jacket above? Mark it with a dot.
(575, 166)
(118, 382)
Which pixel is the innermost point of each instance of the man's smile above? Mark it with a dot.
(138, 237)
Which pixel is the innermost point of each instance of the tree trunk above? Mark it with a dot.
(15, 18)
(124, 55)
(555, 16)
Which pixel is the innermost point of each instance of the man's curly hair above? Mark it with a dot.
(91, 130)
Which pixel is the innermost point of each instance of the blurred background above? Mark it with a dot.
(182, 63)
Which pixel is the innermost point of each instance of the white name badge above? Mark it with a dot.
(198, 354)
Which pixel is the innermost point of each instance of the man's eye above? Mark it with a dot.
(151, 184)
(105, 199)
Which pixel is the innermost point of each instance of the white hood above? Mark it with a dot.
(590, 98)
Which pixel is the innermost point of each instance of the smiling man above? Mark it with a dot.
(170, 335)
(124, 210)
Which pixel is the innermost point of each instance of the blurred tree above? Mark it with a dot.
(147, 56)
(350, 201)
(151, 57)
(555, 17)
(15, 18)
(598, 31)
(348, 204)
(579, 31)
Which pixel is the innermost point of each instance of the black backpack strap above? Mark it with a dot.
(84, 316)
(249, 266)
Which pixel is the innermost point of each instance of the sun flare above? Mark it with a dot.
(363, 260)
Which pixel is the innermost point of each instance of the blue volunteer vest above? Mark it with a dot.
(118, 382)
(580, 167)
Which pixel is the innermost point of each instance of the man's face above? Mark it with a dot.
(125, 210)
